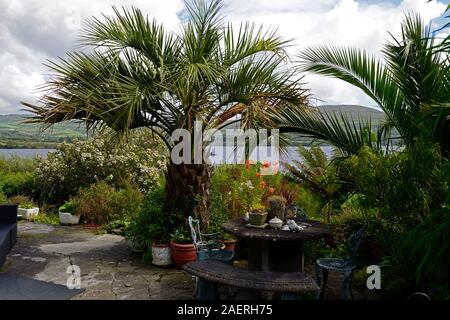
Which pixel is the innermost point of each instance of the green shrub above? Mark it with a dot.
(420, 259)
(403, 187)
(18, 183)
(152, 224)
(101, 203)
(3, 198)
(14, 164)
(22, 201)
(69, 207)
(182, 234)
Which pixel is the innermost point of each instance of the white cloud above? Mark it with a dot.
(32, 31)
(333, 22)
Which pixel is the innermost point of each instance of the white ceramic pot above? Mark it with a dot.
(276, 223)
(28, 214)
(68, 218)
(161, 255)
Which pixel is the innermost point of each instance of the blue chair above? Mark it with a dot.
(345, 266)
(207, 245)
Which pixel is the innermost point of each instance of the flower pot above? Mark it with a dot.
(161, 254)
(182, 253)
(229, 244)
(28, 214)
(67, 218)
(257, 218)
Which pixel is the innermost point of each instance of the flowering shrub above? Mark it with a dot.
(101, 203)
(140, 160)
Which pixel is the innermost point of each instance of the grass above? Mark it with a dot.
(46, 219)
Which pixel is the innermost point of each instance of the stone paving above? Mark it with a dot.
(109, 270)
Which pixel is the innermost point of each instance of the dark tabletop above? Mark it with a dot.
(238, 229)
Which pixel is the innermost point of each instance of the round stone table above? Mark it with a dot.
(275, 250)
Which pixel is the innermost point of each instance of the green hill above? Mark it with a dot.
(16, 134)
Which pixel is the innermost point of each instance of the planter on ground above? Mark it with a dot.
(67, 218)
(161, 254)
(28, 214)
(182, 253)
(230, 244)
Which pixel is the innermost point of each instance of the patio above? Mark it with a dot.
(108, 268)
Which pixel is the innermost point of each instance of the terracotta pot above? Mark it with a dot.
(229, 244)
(161, 254)
(182, 253)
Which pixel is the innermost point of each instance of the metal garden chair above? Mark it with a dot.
(207, 245)
(345, 266)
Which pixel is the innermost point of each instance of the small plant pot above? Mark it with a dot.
(257, 218)
(182, 253)
(66, 218)
(230, 244)
(28, 214)
(161, 254)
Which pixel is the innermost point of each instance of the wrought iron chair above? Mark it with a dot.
(207, 245)
(345, 266)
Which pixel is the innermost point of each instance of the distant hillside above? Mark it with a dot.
(356, 112)
(15, 134)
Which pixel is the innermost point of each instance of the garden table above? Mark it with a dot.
(275, 250)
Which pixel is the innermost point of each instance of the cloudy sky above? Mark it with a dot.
(32, 31)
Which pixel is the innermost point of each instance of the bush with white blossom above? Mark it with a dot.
(140, 160)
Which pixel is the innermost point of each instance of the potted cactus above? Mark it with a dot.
(277, 205)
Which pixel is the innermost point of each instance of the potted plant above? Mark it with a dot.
(229, 242)
(183, 249)
(161, 252)
(67, 214)
(258, 215)
(277, 205)
(27, 210)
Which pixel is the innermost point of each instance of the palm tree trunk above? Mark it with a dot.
(188, 190)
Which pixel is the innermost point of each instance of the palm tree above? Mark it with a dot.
(134, 73)
(411, 85)
(321, 176)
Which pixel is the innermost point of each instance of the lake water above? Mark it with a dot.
(26, 153)
(224, 155)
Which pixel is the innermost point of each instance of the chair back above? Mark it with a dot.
(194, 225)
(354, 243)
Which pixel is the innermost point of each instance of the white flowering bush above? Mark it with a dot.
(139, 160)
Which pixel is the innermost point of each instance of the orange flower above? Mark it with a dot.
(262, 184)
(266, 164)
(248, 163)
(258, 174)
(271, 190)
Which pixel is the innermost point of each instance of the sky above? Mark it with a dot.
(34, 31)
